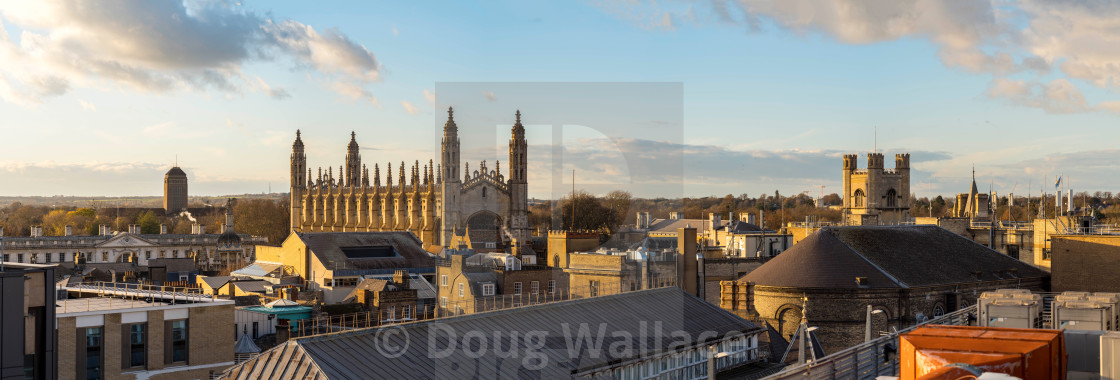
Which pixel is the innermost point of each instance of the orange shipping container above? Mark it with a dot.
(1024, 353)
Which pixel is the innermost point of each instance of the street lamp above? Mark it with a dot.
(867, 331)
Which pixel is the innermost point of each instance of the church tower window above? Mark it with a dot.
(892, 198)
(859, 198)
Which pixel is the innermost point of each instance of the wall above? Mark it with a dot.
(1085, 263)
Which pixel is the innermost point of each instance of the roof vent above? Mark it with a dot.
(976, 275)
(862, 282)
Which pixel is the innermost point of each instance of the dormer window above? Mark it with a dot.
(862, 282)
(487, 289)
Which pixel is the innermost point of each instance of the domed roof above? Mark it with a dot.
(176, 171)
(229, 239)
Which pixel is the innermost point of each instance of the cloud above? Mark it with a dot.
(355, 92)
(408, 107)
(86, 105)
(273, 92)
(159, 129)
(395, 31)
(489, 95)
(1026, 39)
(1058, 96)
(429, 96)
(159, 47)
(116, 179)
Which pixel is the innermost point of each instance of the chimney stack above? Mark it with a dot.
(36, 231)
(69, 230)
(163, 229)
(134, 229)
(401, 278)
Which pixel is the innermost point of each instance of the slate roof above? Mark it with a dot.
(741, 227)
(176, 171)
(258, 286)
(363, 353)
(215, 282)
(245, 345)
(671, 225)
(890, 257)
(257, 269)
(328, 247)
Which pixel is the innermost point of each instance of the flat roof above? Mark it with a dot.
(107, 304)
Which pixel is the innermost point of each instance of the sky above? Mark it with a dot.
(660, 98)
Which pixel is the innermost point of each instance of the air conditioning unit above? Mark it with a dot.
(1110, 356)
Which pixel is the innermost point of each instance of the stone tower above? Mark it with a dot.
(299, 167)
(518, 184)
(876, 195)
(449, 188)
(174, 191)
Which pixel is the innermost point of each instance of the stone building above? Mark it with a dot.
(132, 251)
(909, 273)
(469, 282)
(391, 300)
(174, 190)
(117, 338)
(335, 262)
(875, 195)
(433, 202)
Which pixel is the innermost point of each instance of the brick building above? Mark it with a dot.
(1085, 263)
(469, 282)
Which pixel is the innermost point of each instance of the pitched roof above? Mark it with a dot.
(257, 269)
(257, 286)
(281, 303)
(671, 225)
(215, 282)
(245, 345)
(890, 257)
(367, 250)
(626, 317)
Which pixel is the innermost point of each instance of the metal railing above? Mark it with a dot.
(869, 360)
(136, 291)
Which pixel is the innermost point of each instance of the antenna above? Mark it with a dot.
(573, 226)
(875, 148)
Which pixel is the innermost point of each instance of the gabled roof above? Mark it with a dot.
(386, 250)
(215, 282)
(626, 317)
(890, 257)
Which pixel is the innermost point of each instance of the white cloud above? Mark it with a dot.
(1057, 96)
(159, 129)
(395, 31)
(160, 46)
(489, 95)
(430, 96)
(408, 107)
(86, 105)
(996, 37)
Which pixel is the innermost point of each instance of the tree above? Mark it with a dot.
(589, 213)
(618, 204)
(149, 223)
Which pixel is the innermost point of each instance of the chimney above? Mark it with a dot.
(36, 231)
(69, 230)
(400, 277)
(457, 263)
(134, 229)
(676, 215)
(198, 229)
(714, 219)
(103, 230)
(1, 231)
(163, 229)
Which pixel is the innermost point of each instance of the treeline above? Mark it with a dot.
(259, 217)
(609, 212)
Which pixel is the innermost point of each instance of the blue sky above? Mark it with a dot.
(97, 101)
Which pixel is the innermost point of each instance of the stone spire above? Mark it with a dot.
(376, 175)
(389, 175)
(352, 175)
(401, 178)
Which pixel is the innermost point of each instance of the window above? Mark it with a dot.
(49, 257)
(148, 255)
(19, 257)
(534, 287)
(178, 338)
(1046, 254)
(390, 314)
(406, 312)
(892, 198)
(104, 256)
(593, 288)
(175, 253)
(551, 286)
(443, 301)
(443, 280)
(487, 289)
(858, 198)
(517, 288)
(461, 290)
(256, 329)
(135, 351)
(93, 353)
(7, 257)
